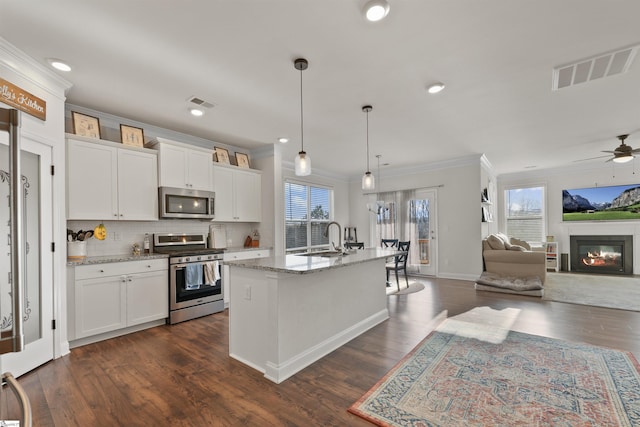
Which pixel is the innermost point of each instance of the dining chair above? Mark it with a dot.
(389, 243)
(400, 263)
(356, 245)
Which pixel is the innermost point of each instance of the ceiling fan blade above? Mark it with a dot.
(607, 151)
(590, 158)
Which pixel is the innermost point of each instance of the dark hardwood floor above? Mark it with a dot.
(182, 375)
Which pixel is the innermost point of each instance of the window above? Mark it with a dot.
(525, 213)
(308, 210)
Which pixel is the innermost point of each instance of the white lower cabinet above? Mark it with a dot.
(112, 296)
(234, 256)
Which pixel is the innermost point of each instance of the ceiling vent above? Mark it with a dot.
(200, 103)
(605, 65)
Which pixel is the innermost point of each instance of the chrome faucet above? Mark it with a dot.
(326, 234)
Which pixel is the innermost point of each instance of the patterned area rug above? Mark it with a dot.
(450, 380)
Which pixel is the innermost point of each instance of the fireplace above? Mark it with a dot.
(602, 254)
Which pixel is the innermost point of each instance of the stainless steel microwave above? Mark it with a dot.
(187, 204)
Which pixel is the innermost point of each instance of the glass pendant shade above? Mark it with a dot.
(623, 159)
(303, 164)
(368, 181)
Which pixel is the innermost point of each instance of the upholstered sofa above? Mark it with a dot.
(512, 257)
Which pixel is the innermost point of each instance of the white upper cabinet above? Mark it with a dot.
(238, 194)
(183, 166)
(105, 182)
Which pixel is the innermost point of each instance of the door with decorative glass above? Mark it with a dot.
(34, 189)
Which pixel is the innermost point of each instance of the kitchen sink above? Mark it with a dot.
(326, 254)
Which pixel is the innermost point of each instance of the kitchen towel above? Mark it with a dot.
(193, 276)
(211, 272)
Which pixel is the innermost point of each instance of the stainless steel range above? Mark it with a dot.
(195, 285)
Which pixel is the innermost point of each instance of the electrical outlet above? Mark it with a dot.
(247, 292)
(117, 236)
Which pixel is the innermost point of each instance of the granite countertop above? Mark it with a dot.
(300, 264)
(113, 258)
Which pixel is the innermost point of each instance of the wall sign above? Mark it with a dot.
(12, 95)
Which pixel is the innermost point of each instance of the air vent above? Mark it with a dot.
(200, 102)
(605, 65)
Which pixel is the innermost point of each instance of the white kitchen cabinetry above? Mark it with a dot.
(238, 194)
(235, 256)
(114, 296)
(183, 166)
(105, 182)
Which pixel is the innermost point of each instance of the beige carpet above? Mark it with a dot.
(622, 292)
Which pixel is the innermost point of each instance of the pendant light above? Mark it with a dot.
(379, 207)
(302, 161)
(368, 180)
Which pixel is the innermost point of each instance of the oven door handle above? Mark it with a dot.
(178, 266)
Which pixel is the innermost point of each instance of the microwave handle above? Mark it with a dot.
(212, 206)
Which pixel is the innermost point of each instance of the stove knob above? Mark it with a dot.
(199, 258)
(187, 259)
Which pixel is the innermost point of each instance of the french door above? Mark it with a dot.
(37, 275)
(409, 215)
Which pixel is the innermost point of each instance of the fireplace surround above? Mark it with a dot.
(602, 254)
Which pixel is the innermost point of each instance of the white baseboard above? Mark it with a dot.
(278, 373)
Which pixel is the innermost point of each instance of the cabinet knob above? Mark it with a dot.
(148, 266)
(101, 271)
(115, 214)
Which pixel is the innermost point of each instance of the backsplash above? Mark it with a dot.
(121, 235)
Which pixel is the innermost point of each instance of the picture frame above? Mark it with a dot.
(222, 155)
(85, 125)
(131, 135)
(242, 160)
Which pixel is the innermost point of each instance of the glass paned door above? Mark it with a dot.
(37, 314)
(422, 232)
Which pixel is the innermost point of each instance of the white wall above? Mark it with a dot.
(598, 174)
(459, 231)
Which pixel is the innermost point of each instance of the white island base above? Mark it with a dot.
(281, 320)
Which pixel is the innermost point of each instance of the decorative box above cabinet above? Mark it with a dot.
(238, 194)
(182, 166)
(107, 182)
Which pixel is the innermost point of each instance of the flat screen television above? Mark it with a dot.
(612, 203)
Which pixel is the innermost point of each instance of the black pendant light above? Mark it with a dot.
(302, 161)
(368, 180)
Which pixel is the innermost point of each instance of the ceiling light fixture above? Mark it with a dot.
(302, 161)
(376, 10)
(58, 64)
(379, 207)
(368, 180)
(196, 112)
(623, 158)
(283, 140)
(435, 88)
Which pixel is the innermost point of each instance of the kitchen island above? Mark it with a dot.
(286, 312)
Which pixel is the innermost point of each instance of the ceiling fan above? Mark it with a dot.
(624, 153)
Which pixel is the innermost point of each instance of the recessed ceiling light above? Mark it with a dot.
(375, 10)
(435, 88)
(283, 140)
(58, 64)
(196, 112)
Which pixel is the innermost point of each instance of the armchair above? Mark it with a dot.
(512, 257)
